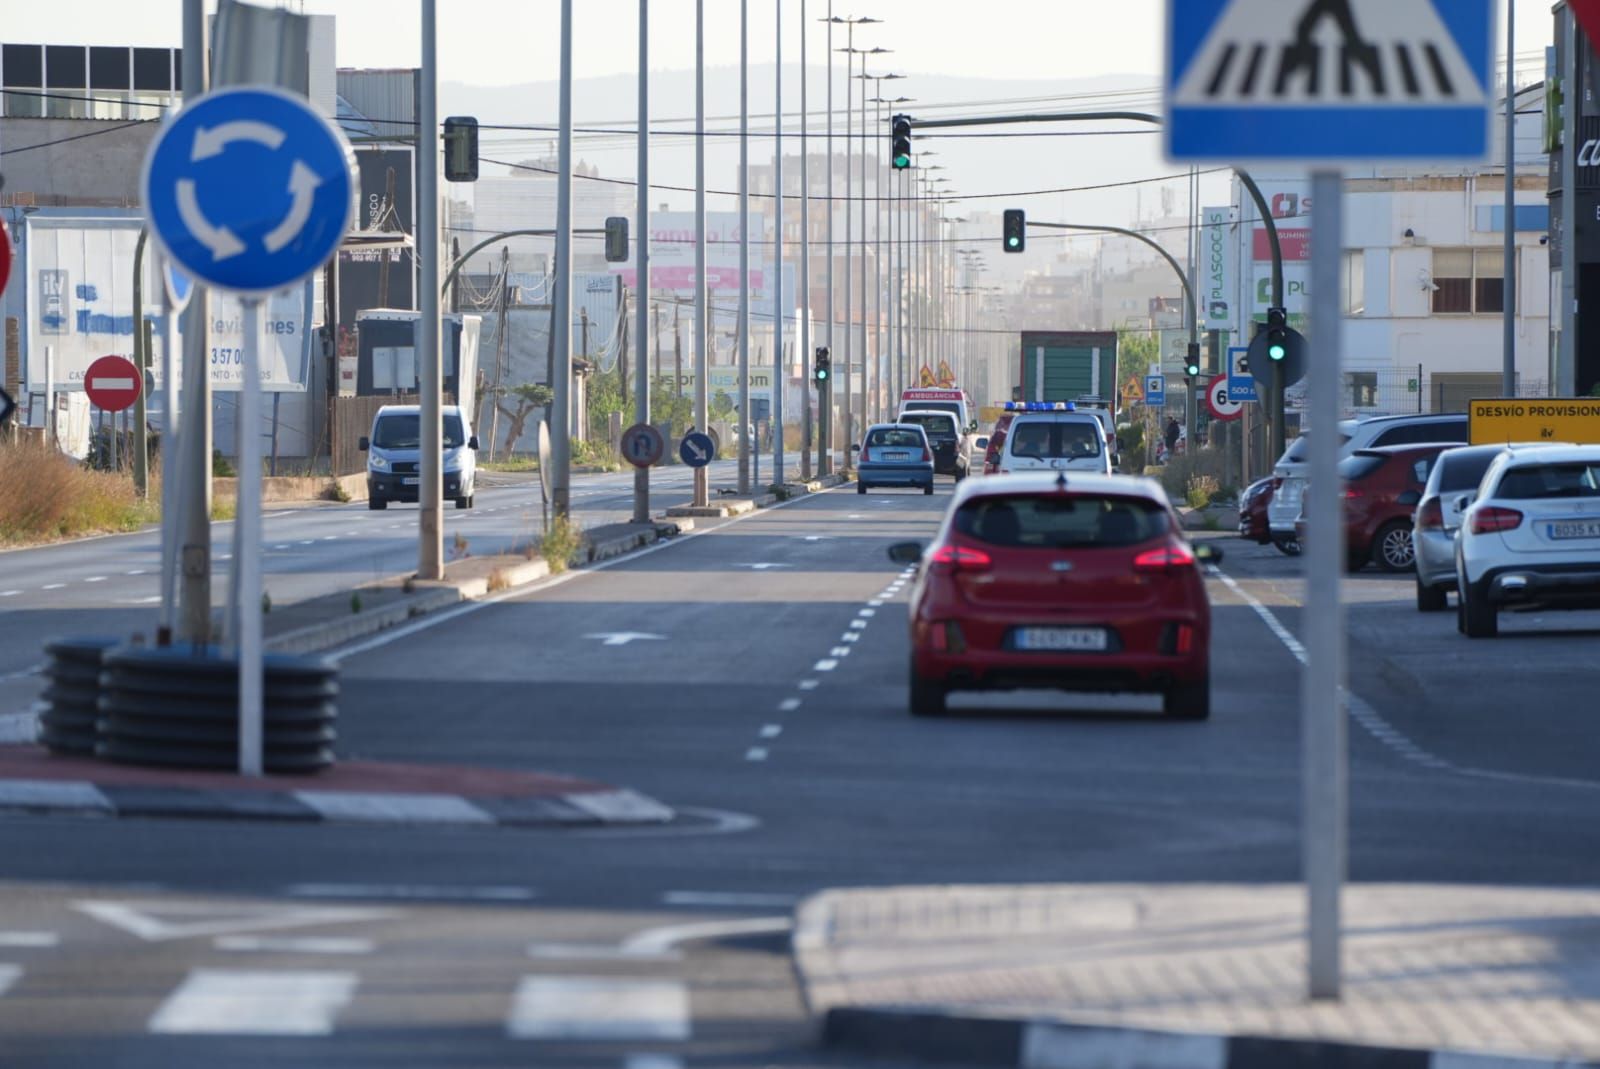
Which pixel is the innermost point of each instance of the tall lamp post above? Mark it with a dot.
(896, 232)
(866, 411)
(879, 203)
(849, 50)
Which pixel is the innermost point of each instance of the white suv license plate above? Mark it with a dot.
(1059, 639)
(1575, 529)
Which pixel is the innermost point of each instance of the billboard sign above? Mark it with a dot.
(673, 236)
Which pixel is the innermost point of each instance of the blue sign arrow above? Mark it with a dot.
(697, 449)
(249, 189)
(1328, 79)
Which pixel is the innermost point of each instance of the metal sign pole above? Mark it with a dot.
(780, 309)
(702, 486)
(430, 494)
(247, 565)
(641, 383)
(1323, 730)
(745, 446)
(170, 450)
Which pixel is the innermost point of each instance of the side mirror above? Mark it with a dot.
(1206, 553)
(854, 448)
(906, 552)
(472, 443)
(363, 444)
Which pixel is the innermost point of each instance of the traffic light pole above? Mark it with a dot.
(641, 285)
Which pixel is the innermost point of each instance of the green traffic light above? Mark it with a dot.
(901, 162)
(1013, 242)
(1277, 352)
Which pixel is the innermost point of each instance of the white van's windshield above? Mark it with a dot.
(403, 430)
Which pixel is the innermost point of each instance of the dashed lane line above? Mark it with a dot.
(788, 705)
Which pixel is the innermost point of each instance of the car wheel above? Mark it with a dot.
(1479, 619)
(1188, 701)
(928, 490)
(377, 504)
(927, 697)
(1393, 551)
(1287, 545)
(861, 488)
(1431, 598)
(463, 502)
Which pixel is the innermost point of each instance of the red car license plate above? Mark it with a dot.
(1061, 639)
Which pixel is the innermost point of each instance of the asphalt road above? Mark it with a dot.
(753, 676)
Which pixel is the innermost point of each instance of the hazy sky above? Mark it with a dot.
(498, 42)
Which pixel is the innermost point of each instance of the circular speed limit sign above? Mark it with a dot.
(1217, 400)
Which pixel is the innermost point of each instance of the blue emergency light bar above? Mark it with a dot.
(1040, 406)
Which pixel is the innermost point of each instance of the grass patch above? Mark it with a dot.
(515, 464)
(46, 496)
(224, 508)
(562, 545)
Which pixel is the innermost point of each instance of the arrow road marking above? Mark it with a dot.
(622, 638)
(303, 183)
(222, 242)
(208, 143)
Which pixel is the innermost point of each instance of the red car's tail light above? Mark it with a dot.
(1430, 517)
(1353, 492)
(1164, 559)
(1185, 643)
(927, 455)
(1492, 519)
(950, 559)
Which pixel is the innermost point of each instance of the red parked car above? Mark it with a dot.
(1081, 582)
(1253, 521)
(1382, 487)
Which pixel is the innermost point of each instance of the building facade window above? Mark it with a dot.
(1353, 279)
(1363, 386)
(1468, 281)
(74, 82)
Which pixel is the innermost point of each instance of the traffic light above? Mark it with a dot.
(461, 149)
(822, 369)
(616, 239)
(1015, 236)
(1277, 334)
(1191, 362)
(900, 137)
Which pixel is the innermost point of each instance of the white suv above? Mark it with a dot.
(1061, 440)
(1531, 540)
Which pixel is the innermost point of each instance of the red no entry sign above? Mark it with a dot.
(112, 383)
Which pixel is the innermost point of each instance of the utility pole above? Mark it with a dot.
(702, 483)
(677, 356)
(194, 557)
(561, 305)
(641, 245)
(805, 253)
(1508, 372)
(825, 395)
(780, 310)
(744, 246)
(849, 319)
(430, 491)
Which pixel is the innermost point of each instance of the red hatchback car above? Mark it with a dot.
(1080, 583)
(1382, 487)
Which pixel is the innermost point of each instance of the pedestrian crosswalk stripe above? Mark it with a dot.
(1334, 53)
(255, 1003)
(598, 1009)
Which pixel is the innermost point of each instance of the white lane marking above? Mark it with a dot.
(808, 684)
(9, 974)
(594, 952)
(95, 579)
(839, 651)
(52, 586)
(250, 1002)
(788, 705)
(825, 666)
(764, 566)
(136, 571)
(389, 807)
(756, 753)
(158, 921)
(330, 538)
(867, 613)
(292, 945)
(224, 556)
(875, 603)
(598, 1008)
(284, 546)
(29, 939)
(858, 624)
(661, 940)
(23, 673)
(772, 731)
(729, 899)
(1373, 722)
(622, 638)
(850, 636)
(9, 593)
(409, 892)
(652, 1061)
(151, 600)
(308, 541)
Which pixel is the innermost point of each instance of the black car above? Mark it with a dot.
(945, 437)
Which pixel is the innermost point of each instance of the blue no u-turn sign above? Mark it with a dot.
(249, 189)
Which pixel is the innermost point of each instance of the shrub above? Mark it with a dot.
(561, 545)
(46, 495)
(1200, 491)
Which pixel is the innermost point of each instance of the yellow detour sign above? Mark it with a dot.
(926, 378)
(1535, 419)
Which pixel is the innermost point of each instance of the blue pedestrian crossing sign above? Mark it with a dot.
(1155, 391)
(1329, 80)
(248, 189)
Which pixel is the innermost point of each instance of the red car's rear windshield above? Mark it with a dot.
(1058, 521)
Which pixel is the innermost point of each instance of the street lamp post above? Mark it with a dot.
(878, 203)
(849, 50)
(779, 312)
(744, 246)
(805, 247)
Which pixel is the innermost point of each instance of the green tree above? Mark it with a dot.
(722, 406)
(519, 402)
(604, 391)
(1136, 351)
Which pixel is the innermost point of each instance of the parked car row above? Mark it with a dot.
(1507, 528)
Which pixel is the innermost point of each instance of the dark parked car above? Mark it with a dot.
(1381, 490)
(1253, 523)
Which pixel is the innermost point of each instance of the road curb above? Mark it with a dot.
(598, 807)
(936, 1036)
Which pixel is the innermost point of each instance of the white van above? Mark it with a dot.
(1059, 440)
(394, 456)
